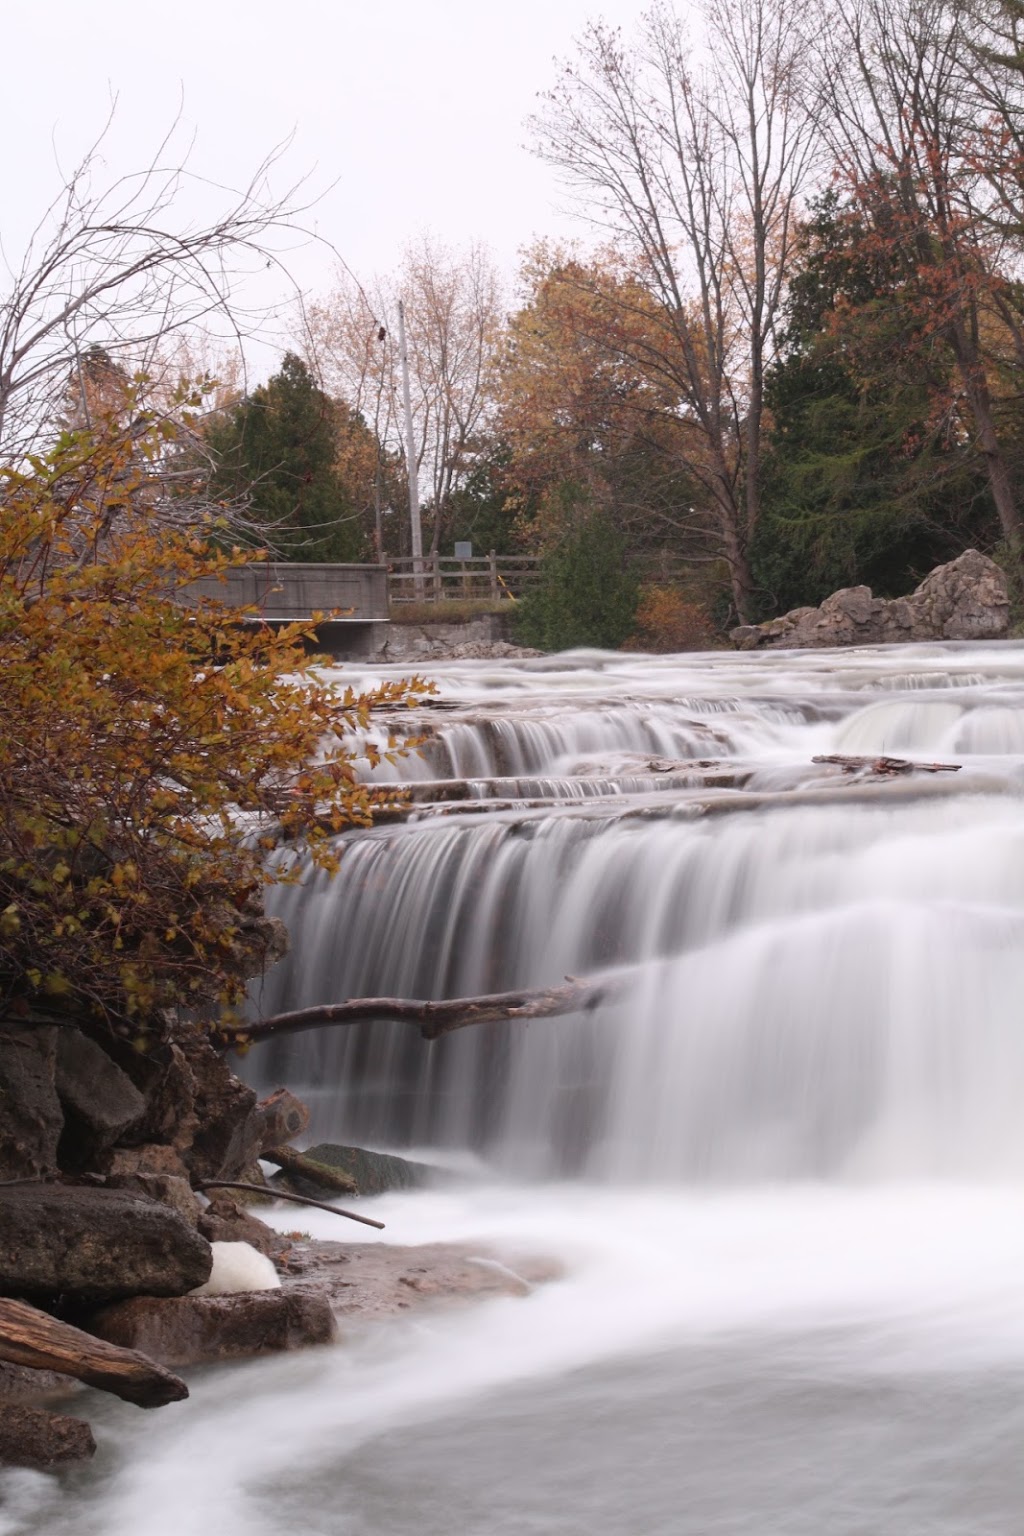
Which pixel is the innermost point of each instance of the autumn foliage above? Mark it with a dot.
(667, 620)
(152, 750)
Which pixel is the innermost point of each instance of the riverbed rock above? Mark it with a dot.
(967, 599)
(100, 1101)
(226, 1221)
(166, 1188)
(369, 1282)
(37, 1438)
(372, 1173)
(229, 1127)
(187, 1330)
(31, 1118)
(95, 1245)
(284, 1117)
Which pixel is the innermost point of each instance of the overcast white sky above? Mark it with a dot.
(414, 108)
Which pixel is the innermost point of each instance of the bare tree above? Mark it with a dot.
(696, 169)
(117, 265)
(453, 317)
(921, 119)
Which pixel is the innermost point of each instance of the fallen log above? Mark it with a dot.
(291, 1161)
(43, 1343)
(884, 765)
(432, 1018)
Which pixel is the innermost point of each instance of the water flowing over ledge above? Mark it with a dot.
(783, 1177)
(826, 986)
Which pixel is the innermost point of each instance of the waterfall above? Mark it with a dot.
(822, 976)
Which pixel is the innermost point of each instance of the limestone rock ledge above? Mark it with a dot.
(967, 599)
(185, 1330)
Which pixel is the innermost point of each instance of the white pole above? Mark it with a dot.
(410, 460)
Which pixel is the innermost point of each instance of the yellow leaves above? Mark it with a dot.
(123, 875)
(151, 756)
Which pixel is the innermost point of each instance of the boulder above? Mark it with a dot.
(189, 1329)
(226, 1221)
(34, 1437)
(967, 599)
(166, 1080)
(166, 1188)
(31, 1119)
(229, 1127)
(100, 1101)
(95, 1245)
(284, 1117)
(150, 1160)
(373, 1173)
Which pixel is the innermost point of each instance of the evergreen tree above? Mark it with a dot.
(281, 446)
(587, 594)
(870, 475)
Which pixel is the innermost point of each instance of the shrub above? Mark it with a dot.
(667, 620)
(587, 591)
(147, 746)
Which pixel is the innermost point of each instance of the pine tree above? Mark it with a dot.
(281, 445)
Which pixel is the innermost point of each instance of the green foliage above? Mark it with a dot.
(869, 475)
(153, 749)
(481, 509)
(587, 593)
(280, 447)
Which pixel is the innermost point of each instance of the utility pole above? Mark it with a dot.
(410, 461)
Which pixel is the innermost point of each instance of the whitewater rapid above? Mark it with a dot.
(783, 1174)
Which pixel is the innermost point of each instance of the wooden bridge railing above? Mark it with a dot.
(444, 577)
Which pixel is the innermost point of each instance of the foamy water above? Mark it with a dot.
(783, 1172)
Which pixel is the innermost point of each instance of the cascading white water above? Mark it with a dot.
(821, 981)
(784, 1173)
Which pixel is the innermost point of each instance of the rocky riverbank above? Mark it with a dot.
(968, 599)
(112, 1217)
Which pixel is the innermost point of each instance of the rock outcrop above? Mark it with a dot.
(31, 1118)
(95, 1245)
(33, 1437)
(964, 600)
(189, 1329)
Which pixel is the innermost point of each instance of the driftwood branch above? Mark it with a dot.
(33, 1338)
(884, 765)
(278, 1194)
(432, 1019)
(291, 1161)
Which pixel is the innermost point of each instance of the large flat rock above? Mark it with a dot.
(187, 1330)
(95, 1245)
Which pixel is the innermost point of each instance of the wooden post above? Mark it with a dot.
(437, 576)
(494, 573)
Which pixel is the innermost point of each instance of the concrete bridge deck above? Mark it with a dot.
(353, 598)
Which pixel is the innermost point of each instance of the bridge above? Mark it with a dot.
(354, 599)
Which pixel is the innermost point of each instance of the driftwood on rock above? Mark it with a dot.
(33, 1338)
(432, 1018)
(290, 1161)
(884, 765)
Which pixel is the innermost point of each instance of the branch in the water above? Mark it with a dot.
(431, 1018)
(884, 766)
(279, 1194)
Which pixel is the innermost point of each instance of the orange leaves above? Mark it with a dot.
(148, 749)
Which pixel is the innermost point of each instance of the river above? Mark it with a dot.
(783, 1173)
